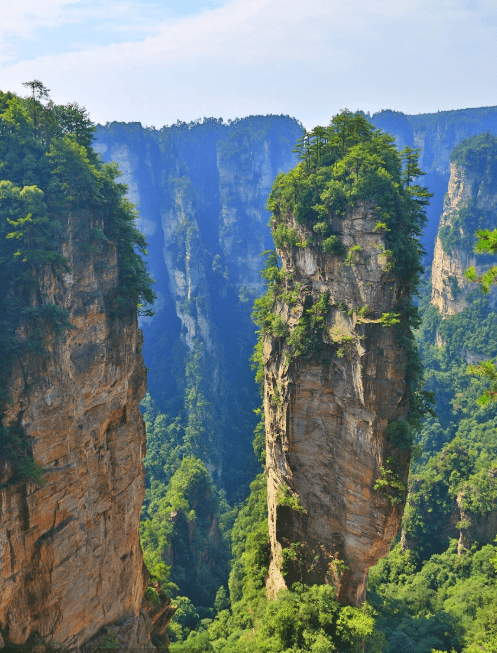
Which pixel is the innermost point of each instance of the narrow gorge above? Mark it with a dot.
(260, 528)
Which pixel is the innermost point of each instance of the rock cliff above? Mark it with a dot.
(326, 416)
(470, 203)
(201, 189)
(436, 134)
(338, 359)
(70, 556)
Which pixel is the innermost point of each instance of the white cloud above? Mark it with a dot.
(304, 58)
(22, 17)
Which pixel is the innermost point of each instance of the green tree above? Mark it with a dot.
(39, 92)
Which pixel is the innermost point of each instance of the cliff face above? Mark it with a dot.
(201, 190)
(327, 411)
(470, 197)
(70, 557)
(436, 134)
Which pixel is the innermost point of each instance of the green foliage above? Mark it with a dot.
(488, 371)
(399, 434)
(333, 244)
(352, 258)
(166, 449)
(305, 619)
(451, 598)
(322, 228)
(389, 319)
(251, 551)
(285, 497)
(389, 483)
(285, 236)
(183, 527)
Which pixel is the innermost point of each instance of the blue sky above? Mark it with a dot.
(161, 61)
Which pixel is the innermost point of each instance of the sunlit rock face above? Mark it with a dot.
(70, 558)
(326, 415)
(470, 191)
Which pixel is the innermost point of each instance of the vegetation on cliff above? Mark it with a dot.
(306, 618)
(48, 172)
(187, 528)
(344, 165)
(202, 186)
(477, 157)
(446, 572)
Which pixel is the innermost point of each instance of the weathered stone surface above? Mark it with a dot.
(160, 615)
(450, 288)
(201, 190)
(326, 414)
(70, 559)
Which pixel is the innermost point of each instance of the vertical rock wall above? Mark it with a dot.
(326, 414)
(456, 237)
(202, 189)
(436, 134)
(70, 559)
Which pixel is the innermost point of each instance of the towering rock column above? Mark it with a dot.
(334, 379)
(70, 557)
(470, 204)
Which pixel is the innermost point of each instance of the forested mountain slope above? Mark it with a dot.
(444, 570)
(201, 190)
(418, 601)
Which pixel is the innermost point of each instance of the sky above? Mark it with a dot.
(161, 61)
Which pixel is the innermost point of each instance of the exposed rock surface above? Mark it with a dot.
(480, 526)
(201, 189)
(326, 414)
(449, 285)
(209, 182)
(70, 558)
(435, 134)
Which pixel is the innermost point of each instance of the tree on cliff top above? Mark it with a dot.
(48, 171)
(347, 163)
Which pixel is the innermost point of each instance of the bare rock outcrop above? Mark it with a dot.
(468, 196)
(336, 482)
(70, 557)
